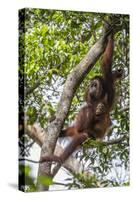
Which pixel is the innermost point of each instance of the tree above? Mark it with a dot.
(55, 47)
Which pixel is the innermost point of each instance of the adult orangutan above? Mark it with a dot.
(93, 120)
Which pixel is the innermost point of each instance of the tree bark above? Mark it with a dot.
(35, 132)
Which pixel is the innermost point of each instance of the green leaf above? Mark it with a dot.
(44, 30)
(45, 180)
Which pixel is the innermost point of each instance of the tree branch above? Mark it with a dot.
(36, 133)
(114, 141)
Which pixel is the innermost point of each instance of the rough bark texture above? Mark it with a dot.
(36, 133)
(73, 81)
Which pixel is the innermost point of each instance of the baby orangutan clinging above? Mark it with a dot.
(93, 120)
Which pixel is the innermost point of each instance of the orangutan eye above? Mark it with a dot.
(94, 84)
